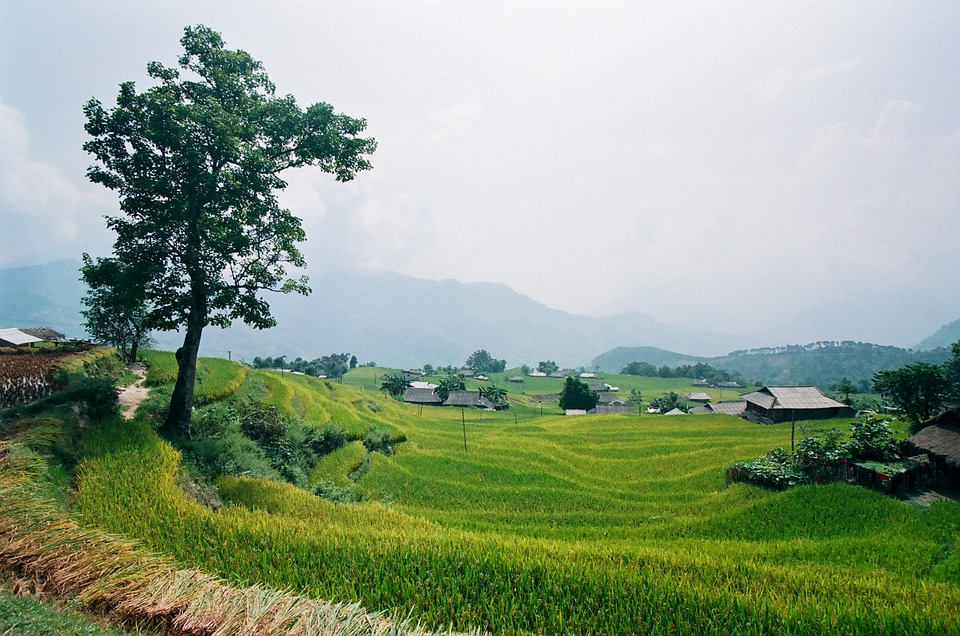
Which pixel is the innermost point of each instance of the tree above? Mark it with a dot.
(452, 382)
(116, 308)
(951, 373)
(640, 368)
(547, 366)
(846, 388)
(918, 389)
(196, 161)
(669, 401)
(482, 362)
(577, 395)
(395, 384)
(497, 396)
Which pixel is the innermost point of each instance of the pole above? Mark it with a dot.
(463, 420)
(793, 424)
(229, 356)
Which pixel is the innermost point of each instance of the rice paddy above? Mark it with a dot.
(543, 525)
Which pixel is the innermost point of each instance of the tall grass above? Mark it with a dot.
(593, 525)
(217, 379)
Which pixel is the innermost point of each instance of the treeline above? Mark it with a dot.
(331, 366)
(698, 371)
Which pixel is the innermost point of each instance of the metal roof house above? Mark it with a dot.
(468, 399)
(415, 395)
(16, 338)
(786, 403)
(698, 397)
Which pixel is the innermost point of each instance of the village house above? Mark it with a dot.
(788, 403)
(939, 440)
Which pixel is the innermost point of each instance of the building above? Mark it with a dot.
(788, 403)
(16, 338)
(468, 399)
(698, 397)
(415, 395)
(939, 440)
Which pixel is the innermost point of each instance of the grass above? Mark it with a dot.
(544, 525)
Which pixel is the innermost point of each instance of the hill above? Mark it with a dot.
(542, 525)
(944, 337)
(395, 320)
(820, 363)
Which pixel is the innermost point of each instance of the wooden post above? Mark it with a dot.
(793, 426)
(463, 420)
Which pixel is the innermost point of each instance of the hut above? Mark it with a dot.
(786, 403)
(939, 439)
(698, 397)
(468, 399)
(414, 395)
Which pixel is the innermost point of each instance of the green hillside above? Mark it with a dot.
(819, 363)
(518, 523)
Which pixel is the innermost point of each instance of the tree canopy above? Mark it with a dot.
(196, 160)
(576, 394)
(116, 310)
(917, 389)
(482, 362)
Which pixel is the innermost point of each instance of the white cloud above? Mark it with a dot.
(45, 215)
(783, 82)
(452, 122)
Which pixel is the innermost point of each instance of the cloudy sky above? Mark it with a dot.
(719, 165)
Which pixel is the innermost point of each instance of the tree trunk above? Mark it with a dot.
(181, 402)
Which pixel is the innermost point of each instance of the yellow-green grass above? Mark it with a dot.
(337, 466)
(596, 524)
(217, 378)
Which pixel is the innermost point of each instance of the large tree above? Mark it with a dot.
(196, 160)
(482, 362)
(576, 394)
(917, 389)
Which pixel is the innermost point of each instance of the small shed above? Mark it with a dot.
(674, 411)
(609, 409)
(786, 403)
(698, 397)
(599, 387)
(939, 439)
(515, 378)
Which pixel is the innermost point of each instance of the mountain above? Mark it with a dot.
(42, 296)
(822, 363)
(944, 337)
(388, 318)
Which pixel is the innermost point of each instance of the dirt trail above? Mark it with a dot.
(131, 396)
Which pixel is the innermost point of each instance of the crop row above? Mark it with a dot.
(282, 537)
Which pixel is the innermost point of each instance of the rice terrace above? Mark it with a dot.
(545, 524)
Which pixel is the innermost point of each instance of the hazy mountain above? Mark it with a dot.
(388, 318)
(944, 337)
(42, 296)
(822, 363)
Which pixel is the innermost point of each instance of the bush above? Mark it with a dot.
(815, 451)
(326, 439)
(326, 489)
(776, 469)
(871, 438)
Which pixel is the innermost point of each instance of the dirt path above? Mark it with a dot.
(131, 396)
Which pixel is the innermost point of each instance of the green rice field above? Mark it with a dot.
(520, 523)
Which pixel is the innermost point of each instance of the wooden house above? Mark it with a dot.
(939, 440)
(788, 403)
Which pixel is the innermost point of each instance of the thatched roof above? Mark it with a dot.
(471, 399)
(792, 397)
(420, 396)
(939, 437)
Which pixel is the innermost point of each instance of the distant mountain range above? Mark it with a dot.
(391, 319)
(820, 363)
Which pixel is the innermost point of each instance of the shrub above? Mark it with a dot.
(776, 469)
(326, 489)
(326, 439)
(871, 438)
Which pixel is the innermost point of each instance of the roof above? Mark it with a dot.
(609, 399)
(730, 407)
(420, 396)
(44, 333)
(792, 397)
(674, 412)
(515, 378)
(15, 337)
(599, 387)
(698, 397)
(608, 409)
(939, 437)
(420, 384)
(468, 398)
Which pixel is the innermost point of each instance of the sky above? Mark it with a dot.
(717, 165)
